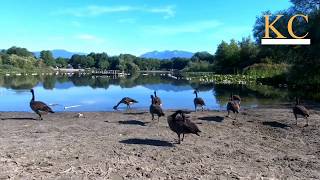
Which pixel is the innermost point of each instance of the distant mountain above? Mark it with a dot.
(167, 54)
(60, 53)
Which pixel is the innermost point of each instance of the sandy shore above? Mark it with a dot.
(264, 142)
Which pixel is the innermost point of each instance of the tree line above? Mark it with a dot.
(292, 64)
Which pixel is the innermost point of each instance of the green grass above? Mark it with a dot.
(263, 70)
(8, 69)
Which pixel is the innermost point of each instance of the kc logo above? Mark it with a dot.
(281, 39)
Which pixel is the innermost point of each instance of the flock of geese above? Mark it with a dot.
(178, 122)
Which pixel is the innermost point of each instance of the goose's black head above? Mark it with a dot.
(31, 90)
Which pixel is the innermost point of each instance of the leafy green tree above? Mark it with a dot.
(248, 52)
(103, 64)
(179, 63)
(62, 62)
(166, 65)
(203, 56)
(306, 6)
(114, 62)
(131, 67)
(100, 59)
(81, 61)
(306, 59)
(202, 66)
(228, 57)
(47, 58)
(19, 51)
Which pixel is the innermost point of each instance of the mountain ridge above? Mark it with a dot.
(167, 54)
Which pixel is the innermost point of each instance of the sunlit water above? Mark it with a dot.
(102, 93)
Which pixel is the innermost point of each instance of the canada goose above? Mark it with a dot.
(236, 98)
(198, 101)
(127, 101)
(39, 107)
(300, 110)
(155, 109)
(233, 106)
(157, 99)
(180, 124)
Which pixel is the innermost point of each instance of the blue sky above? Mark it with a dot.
(128, 26)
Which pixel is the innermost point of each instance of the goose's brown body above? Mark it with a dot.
(234, 106)
(157, 99)
(198, 101)
(300, 110)
(180, 124)
(127, 101)
(155, 109)
(39, 107)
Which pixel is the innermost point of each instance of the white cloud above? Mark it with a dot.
(169, 11)
(93, 10)
(89, 38)
(191, 27)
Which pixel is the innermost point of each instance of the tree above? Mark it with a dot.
(306, 59)
(114, 62)
(103, 64)
(166, 65)
(248, 52)
(131, 67)
(47, 58)
(228, 57)
(81, 61)
(179, 63)
(62, 62)
(202, 56)
(100, 60)
(306, 6)
(19, 51)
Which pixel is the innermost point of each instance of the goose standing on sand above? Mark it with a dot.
(233, 106)
(180, 124)
(155, 109)
(39, 107)
(198, 101)
(157, 99)
(300, 110)
(236, 98)
(127, 101)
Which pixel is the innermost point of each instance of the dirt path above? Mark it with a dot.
(263, 143)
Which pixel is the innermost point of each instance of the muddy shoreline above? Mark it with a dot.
(264, 142)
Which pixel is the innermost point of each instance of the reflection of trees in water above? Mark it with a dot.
(49, 82)
(222, 92)
(250, 92)
(202, 86)
(83, 80)
(62, 79)
(19, 82)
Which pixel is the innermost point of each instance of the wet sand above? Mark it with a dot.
(262, 143)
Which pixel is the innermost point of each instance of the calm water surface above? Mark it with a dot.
(89, 93)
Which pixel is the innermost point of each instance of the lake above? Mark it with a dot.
(101, 93)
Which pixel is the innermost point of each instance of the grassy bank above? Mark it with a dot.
(11, 70)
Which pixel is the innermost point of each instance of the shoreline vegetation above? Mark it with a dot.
(235, 61)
